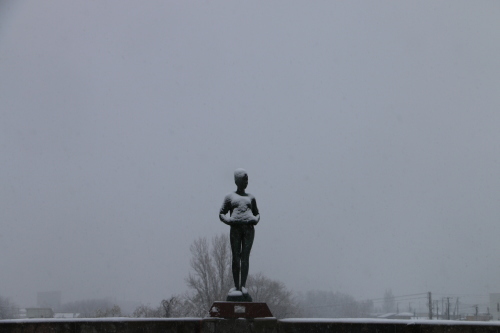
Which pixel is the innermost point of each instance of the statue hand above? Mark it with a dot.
(226, 219)
(230, 221)
(254, 221)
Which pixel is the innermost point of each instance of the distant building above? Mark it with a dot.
(22, 313)
(479, 317)
(66, 315)
(39, 313)
(400, 315)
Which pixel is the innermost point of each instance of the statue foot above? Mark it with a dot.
(238, 296)
(244, 290)
(234, 292)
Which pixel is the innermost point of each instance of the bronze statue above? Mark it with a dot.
(244, 215)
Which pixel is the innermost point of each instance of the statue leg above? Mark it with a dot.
(235, 237)
(246, 247)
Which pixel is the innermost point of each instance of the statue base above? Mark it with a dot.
(239, 298)
(240, 310)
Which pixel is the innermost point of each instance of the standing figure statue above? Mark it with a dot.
(244, 215)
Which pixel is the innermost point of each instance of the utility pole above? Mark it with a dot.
(477, 311)
(448, 308)
(442, 307)
(454, 311)
(430, 304)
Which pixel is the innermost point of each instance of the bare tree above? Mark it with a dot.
(211, 278)
(172, 307)
(8, 310)
(114, 311)
(280, 300)
(145, 311)
(389, 302)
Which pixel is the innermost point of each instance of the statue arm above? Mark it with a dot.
(225, 208)
(255, 211)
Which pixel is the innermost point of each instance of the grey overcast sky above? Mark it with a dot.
(370, 132)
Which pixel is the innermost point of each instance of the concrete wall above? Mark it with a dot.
(385, 326)
(125, 325)
(263, 325)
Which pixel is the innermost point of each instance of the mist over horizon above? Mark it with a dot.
(369, 132)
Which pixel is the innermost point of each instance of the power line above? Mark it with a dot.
(401, 300)
(394, 297)
(411, 297)
(460, 295)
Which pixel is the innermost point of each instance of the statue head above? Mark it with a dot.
(241, 178)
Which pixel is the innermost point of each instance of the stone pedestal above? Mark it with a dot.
(240, 310)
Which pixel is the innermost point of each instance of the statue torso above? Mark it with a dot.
(241, 207)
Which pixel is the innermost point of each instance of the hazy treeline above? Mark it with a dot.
(328, 304)
(211, 278)
(93, 308)
(8, 309)
(209, 281)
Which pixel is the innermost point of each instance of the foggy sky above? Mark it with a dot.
(369, 130)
